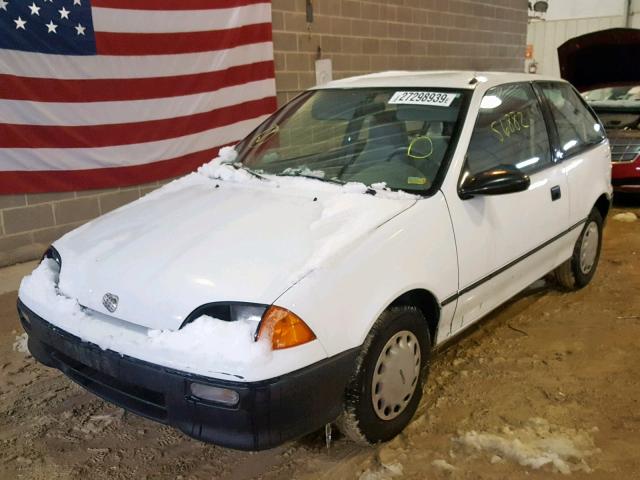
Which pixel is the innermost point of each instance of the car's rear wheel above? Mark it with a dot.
(386, 387)
(578, 271)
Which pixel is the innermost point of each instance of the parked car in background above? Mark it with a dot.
(603, 66)
(619, 111)
(305, 276)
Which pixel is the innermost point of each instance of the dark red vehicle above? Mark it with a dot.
(604, 66)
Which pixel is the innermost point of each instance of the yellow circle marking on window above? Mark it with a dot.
(420, 157)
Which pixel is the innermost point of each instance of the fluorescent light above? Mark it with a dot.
(527, 163)
(569, 145)
(490, 102)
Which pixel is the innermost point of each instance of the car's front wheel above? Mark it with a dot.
(578, 271)
(386, 387)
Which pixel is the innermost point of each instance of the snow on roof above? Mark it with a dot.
(439, 79)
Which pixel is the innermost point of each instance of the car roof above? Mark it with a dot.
(437, 79)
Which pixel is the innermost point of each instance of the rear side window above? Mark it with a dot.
(577, 127)
(510, 130)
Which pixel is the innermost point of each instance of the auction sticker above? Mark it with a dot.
(438, 99)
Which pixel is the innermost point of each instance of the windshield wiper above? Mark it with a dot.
(313, 177)
(241, 166)
(337, 181)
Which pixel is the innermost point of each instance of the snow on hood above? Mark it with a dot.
(189, 349)
(221, 234)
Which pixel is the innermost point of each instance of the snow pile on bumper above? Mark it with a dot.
(205, 346)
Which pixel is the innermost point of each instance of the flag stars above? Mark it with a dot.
(64, 13)
(51, 27)
(76, 2)
(34, 9)
(80, 29)
(20, 23)
(3, 5)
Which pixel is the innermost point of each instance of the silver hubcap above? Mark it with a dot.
(589, 247)
(396, 375)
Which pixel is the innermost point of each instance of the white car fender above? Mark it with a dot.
(414, 250)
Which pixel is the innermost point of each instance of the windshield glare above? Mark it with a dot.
(399, 136)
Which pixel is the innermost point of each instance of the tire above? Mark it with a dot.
(578, 271)
(372, 413)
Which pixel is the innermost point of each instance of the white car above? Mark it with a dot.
(305, 276)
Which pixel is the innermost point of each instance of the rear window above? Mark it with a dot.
(577, 127)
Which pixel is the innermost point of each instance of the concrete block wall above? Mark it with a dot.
(362, 36)
(359, 36)
(31, 222)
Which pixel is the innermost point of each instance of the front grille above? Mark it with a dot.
(136, 398)
(624, 149)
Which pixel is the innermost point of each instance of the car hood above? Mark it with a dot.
(199, 240)
(601, 59)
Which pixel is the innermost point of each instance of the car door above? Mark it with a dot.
(505, 242)
(580, 143)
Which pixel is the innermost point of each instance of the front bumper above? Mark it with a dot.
(269, 412)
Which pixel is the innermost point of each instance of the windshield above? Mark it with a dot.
(613, 94)
(401, 137)
(617, 107)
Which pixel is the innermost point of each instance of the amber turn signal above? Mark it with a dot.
(285, 328)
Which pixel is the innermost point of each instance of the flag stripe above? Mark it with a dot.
(120, 155)
(66, 181)
(149, 89)
(41, 65)
(172, 4)
(108, 43)
(159, 21)
(102, 90)
(45, 136)
(100, 113)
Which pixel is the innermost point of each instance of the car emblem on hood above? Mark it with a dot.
(110, 302)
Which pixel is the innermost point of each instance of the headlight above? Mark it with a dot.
(54, 255)
(229, 312)
(283, 327)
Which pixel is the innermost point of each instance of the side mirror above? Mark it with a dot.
(495, 181)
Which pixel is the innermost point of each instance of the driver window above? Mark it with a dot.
(510, 130)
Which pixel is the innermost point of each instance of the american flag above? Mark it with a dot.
(107, 93)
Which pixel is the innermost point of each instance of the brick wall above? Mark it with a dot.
(359, 36)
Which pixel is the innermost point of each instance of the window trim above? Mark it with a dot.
(542, 167)
(559, 155)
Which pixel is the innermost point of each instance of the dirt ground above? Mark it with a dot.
(549, 372)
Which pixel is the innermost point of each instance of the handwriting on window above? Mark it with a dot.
(510, 124)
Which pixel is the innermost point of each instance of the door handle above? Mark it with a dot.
(556, 193)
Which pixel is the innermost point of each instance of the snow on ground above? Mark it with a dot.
(627, 217)
(20, 344)
(535, 445)
(187, 349)
(442, 464)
